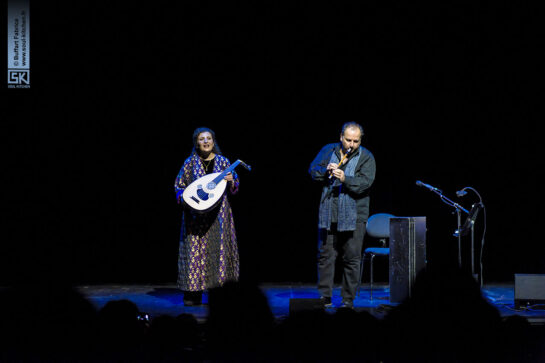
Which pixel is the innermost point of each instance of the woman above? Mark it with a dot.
(208, 246)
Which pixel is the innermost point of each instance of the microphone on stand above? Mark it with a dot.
(461, 193)
(472, 215)
(433, 189)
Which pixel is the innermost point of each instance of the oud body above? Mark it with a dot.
(204, 193)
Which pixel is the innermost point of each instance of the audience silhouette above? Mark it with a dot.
(45, 322)
(240, 322)
(445, 319)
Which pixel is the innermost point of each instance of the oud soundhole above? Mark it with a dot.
(201, 193)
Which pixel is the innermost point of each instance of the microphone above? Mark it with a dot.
(433, 189)
(470, 221)
(461, 193)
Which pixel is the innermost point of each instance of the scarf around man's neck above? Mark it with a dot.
(346, 220)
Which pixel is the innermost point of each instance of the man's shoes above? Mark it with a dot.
(347, 305)
(326, 301)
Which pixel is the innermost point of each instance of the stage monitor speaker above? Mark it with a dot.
(407, 254)
(299, 305)
(529, 289)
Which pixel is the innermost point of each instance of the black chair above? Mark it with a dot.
(378, 226)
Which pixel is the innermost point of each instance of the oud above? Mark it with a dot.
(204, 193)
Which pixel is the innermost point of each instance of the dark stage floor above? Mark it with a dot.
(168, 300)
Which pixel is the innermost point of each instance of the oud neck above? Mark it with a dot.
(226, 171)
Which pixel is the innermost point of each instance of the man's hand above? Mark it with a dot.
(339, 174)
(335, 171)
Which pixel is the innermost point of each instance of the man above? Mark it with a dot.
(346, 170)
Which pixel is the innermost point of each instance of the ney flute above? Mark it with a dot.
(341, 162)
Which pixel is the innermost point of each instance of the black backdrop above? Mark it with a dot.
(447, 94)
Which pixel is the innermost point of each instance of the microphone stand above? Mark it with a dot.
(471, 219)
(473, 251)
(459, 210)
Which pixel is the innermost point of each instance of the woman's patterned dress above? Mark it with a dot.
(208, 246)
